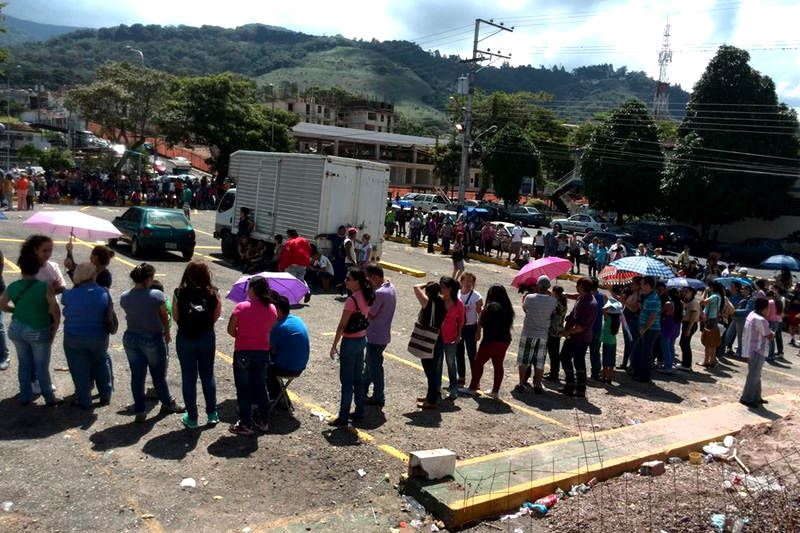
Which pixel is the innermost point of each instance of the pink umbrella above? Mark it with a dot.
(75, 223)
(552, 267)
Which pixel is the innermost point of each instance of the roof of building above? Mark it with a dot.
(320, 131)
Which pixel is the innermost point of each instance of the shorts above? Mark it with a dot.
(532, 352)
(459, 264)
(515, 247)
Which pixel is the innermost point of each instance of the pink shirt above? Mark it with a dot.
(255, 321)
(772, 311)
(453, 321)
(755, 337)
(363, 308)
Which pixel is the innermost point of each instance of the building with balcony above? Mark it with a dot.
(361, 114)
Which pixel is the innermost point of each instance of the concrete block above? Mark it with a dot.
(432, 464)
(652, 468)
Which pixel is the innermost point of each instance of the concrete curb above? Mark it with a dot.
(400, 268)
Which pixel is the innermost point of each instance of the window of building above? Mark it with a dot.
(381, 118)
(380, 129)
(372, 116)
(308, 109)
(290, 107)
(319, 109)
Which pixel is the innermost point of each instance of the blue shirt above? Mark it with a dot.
(651, 305)
(290, 345)
(85, 310)
(598, 322)
(141, 310)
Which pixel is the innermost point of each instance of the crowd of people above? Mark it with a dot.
(96, 188)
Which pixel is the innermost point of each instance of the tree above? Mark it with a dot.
(447, 164)
(736, 154)
(29, 153)
(56, 159)
(223, 112)
(622, 165)
(125, 100)
(509, 156)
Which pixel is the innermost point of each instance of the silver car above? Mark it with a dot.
(581, 223)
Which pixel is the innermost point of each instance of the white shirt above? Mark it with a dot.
(470, 300)
(323, 263)
(516, 234)
(50, 273)
(538, 240)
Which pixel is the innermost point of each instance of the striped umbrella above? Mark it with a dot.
(612, 275)
(644, 266)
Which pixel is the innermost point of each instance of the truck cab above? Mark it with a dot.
(225, 225)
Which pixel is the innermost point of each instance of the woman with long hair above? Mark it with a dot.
(196, 306)
(453, 323)
(712, 306)
(352, 332)
(41, 247)
(34, 322)
(145, 340)
(495, 328)
(431, 314)
(250, 324)
(86, 307)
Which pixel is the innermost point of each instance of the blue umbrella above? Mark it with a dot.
(3, 216)
(405, 203)
(779, 262)
(646, 266)
(727, 282)
(686, 283)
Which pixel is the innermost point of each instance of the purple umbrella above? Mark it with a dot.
(281, 282)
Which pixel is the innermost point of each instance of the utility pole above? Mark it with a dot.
(478, 56)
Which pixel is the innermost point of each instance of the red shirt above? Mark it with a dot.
(295, 251)
(453, 321)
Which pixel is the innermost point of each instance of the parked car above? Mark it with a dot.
(751, 251)
(529, 216)
(427, 202)
(149, 228)
(581, 223)
(503, 236)
(410, 196)
(610, 238)
(680, 236)
(655, 233)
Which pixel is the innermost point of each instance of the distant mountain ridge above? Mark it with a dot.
(418, 81)
(22, 31)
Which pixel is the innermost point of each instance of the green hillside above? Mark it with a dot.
(23, 31)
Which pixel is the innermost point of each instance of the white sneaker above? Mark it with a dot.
(4, 365)
(35, 389)
(491, 394)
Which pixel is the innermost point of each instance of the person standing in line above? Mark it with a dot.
(595, 361)
(608, 339)
(516, 240)
(555, 331)
(494, 326)
(431, 314)
(349, 249)
(379, 334)
(414, 226)
(689, 321)
(575, 253)
(600, 256)
(250, 324)
(4, 354)
(712, 306)
(578, 335)
(34, 321)
(296, 258)
(433, 232)
(458, 256)
(538, 245)
(145, 340)
(352, 332)
(743, 309)
(649, 331)
(196, 306)
(775, 318)
(735, 296)
(451, 330)
(22, 193)
(539, 308)
(671, 317)
(365, 253)
(446, 234)
(756, 337)
(8, 191)
(473, 305)
(630, 314)
(86, 308)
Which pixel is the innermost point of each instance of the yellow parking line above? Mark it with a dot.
(12, 265)
(363, 436)
(84, 208)
(206, 247)
(116, 257)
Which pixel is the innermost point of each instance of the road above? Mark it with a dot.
(68, 469)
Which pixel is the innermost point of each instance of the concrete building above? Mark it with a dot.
(368, 115)
(408, 156)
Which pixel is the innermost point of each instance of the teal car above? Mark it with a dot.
(150, 228)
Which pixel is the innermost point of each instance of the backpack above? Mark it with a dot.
(196, 312)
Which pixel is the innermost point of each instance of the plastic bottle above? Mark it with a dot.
(592, 482)
(547, 501)
(539, 509)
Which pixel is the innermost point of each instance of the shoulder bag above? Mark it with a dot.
(424, 337)
(357, 321)
(111, 321)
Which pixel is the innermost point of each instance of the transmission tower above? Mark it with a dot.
(660, 104)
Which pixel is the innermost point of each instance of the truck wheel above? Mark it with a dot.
(228, 245)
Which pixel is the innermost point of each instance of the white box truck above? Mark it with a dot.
(314, 194)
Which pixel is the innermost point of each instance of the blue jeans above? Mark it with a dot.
(351, 368)
(642, 355)
(196, 356)
(594, 355)
(373, 372)
(433, 373)
(450, 353)
(146, 352)
(250, 378)
(87, 358)
(469, 346)
(609, 355)
(776, 346)
(3, 343)
(33, 350)
(668, 351)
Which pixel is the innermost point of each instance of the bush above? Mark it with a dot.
(538, 203)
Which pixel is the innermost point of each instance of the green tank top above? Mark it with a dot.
(30, 307)
(606, 337)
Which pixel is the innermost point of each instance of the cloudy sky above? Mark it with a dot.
(564, 32)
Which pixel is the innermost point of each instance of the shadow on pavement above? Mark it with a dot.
(341, 437)
(232, 446)
(552, 400)
(148, 255)
(35, 421)
(174, 445)
(491, 406)
(426, 418)
(123, 435)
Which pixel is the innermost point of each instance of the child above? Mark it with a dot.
(755, 345)
(608, 339)
(365, 254)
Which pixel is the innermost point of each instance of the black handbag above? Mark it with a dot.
(357, 321)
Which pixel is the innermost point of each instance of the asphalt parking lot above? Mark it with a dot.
(67, 469)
